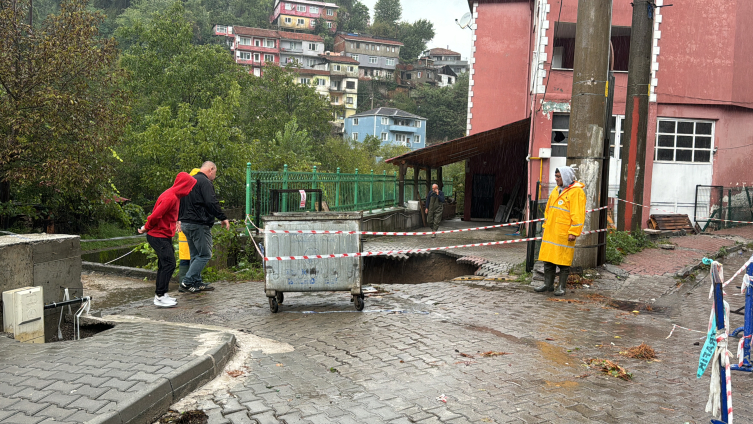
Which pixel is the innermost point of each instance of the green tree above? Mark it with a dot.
(61, 109)
(353, 17)
(414, 36)
(445, 110)
(388, 11)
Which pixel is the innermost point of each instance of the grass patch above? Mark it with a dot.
(623, 243)
(242, 272)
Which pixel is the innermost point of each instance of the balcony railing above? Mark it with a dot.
(403, 128)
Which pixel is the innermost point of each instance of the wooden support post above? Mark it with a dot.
(416, 170)
(440, 183)
(401, 188)
(428, 180)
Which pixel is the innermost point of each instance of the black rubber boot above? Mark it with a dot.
(549, 271)
(562, 282)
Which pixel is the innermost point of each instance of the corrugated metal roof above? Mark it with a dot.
(387, 111)
(465, 147)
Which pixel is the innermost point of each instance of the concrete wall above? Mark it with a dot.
(51, 261)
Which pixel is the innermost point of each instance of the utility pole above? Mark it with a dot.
(633, 149)
(585, 147)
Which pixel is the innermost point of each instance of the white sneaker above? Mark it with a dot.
(164, 302)
(167, 296)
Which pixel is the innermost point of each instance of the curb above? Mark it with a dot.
(146, 406)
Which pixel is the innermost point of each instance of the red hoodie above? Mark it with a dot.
(161, 223)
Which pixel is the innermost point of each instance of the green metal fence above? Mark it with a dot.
(340, 191)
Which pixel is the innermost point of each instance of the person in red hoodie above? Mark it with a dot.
(160, 229)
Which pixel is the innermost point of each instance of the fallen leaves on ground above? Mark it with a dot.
(555, 299)
(466, 355)
(610, 368)
(577, 280)
(235, 373)
(492, 353)
(642, 351)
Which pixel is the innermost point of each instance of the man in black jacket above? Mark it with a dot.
(197, 213)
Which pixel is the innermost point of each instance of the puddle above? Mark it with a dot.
(556, 354)
(565, 385)
(628, 306)
(498, 333)
(134, 259)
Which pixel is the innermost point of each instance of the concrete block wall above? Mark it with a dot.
(50, 261)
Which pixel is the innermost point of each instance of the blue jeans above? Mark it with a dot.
(199, 239)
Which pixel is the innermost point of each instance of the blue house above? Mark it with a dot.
(390, 125)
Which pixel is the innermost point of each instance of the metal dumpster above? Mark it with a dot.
(306, 275)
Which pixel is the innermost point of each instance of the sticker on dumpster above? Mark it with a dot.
(303, 198)
(707, 352)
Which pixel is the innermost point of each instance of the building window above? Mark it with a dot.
(563, 52)
(330, 12)
(334, 86)
(257, 72)
(288, 6)
(311, 62)
(335, 100)
(288, 20)
(560, 133)
(270, 44)
(416, 139)
(337, 67)
(349, 100)
(377, 48)
(244, 41)
(256, 57)
(615, 136)
(221, 29)
(358, 45)
(314, 10)
(372, 59)
(300, 8)
(418, 124)
(312, 47)
(257, 43)
(351, 69)
(350, 85)
(419, 74)
(245, 56)
(355, 57)
(388, 74)
(390, 62)
(329, 24)
(385, 120)
(355, 136)
(321, 82)
(355, 121)
(305, 81)
(301, 21)
(384, 136)
(402, 138)
(269, 58)
(684, 141)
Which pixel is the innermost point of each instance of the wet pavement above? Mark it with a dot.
(415, 353)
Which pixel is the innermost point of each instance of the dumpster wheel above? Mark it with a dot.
(280, 297)
(358, 302)
(273, 305)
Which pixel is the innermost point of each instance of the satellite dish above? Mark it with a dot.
(464, 21)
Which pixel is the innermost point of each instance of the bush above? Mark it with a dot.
(623, 243)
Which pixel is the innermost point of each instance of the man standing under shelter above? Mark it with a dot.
(197, 213)
(434, 208)
(564, 217)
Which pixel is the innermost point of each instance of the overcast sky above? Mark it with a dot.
(443, 14)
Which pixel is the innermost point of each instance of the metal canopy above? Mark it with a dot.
(465, 147)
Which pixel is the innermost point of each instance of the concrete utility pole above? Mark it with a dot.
(633, 150)
(585, 147)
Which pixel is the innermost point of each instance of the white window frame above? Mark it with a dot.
(336, 100)
(390, 62)
(355, 57)
(355, 136)
(351, 69)
(221, 29)
(355, 121)
(301, 21)
(385, 136)
(419, 74)
(676, 134)
(257, 72)
(418, 123)
(562, 127)
(385, 120)
(401, 138)
(373, 59)
(305, 81)
(270, 44)
(312, 47)
(416, 139)
(321, 81)
(257, 42)
(288, 20)
(271, 58)
(349, 100)
(257, 57)
(329, 24)
(288, 6)
(314, 10)
(312, 23)
(336, 67)
(311, 62)
(330, 12)
(300, 8)
(243, 41)
(244, 56)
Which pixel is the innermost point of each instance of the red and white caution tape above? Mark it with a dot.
(673, 213)
(739, 271)
(741, 350)
(390, 252)
(685, 328)
(714, 404)
(388, 233)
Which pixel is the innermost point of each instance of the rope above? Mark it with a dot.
(121, 257)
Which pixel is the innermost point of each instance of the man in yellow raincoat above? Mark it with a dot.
(564, 217)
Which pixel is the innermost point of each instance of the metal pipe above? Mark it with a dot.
(75, 301)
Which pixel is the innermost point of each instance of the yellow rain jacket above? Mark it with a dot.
(183, 251)
(564, 215)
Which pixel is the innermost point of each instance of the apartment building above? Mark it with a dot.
(392, 126)
(446, 57)
(377, 57)
(343, 82)
(253, 47)
(301, 15)
(301, 48)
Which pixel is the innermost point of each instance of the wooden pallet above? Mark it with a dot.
(674, 222)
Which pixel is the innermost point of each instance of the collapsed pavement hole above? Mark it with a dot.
(625, 305)
(188, 417)
(86, 330)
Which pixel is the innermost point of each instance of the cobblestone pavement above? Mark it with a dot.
(414, 354)
(131, 372)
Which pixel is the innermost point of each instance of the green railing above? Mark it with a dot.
(340, 191)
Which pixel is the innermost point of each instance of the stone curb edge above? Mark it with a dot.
(147, 405)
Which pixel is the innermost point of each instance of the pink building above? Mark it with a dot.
(254, 47)
(301, 15)
(701, 104)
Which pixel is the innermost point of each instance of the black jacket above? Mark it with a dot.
(201, 205)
